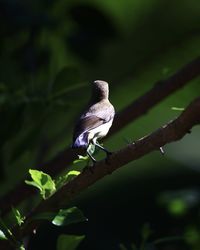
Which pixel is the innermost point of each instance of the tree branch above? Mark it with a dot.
(160, 91)
(172, 131)
(139, 107)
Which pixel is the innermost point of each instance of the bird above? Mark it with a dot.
(95, 122)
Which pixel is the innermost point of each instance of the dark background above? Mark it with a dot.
(50, 51)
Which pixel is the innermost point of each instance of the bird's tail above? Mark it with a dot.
(81, 141)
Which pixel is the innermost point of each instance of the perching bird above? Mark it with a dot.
(96, 120)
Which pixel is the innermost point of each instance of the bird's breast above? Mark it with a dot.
(100, 131)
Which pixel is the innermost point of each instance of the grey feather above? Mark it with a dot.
(95, 116)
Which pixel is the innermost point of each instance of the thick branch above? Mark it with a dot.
(172, 131)
(161, 90)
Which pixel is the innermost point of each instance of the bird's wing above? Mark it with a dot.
(93, 118)
(106, 112)
(87, 123)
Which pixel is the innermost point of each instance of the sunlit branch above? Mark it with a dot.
(139, 107)
(172, 131)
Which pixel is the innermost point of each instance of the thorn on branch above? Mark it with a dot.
(162, 150)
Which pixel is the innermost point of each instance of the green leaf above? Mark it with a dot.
(68, 216)
(65, 178)
(177, 207)
(43, 182)
(22, 248)
(69, 242)
(63, 218)
(177, 109)
(2, 235)
(19, 218)
(73, 173)
(81, 159)
(34, 184)
(6, 233)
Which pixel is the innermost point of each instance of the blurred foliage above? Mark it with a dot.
(69, 242)
(64, 217)
(50, 52)
(18, 217)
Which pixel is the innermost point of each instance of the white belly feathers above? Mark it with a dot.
(100, 131)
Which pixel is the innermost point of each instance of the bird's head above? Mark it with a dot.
(100, 90)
